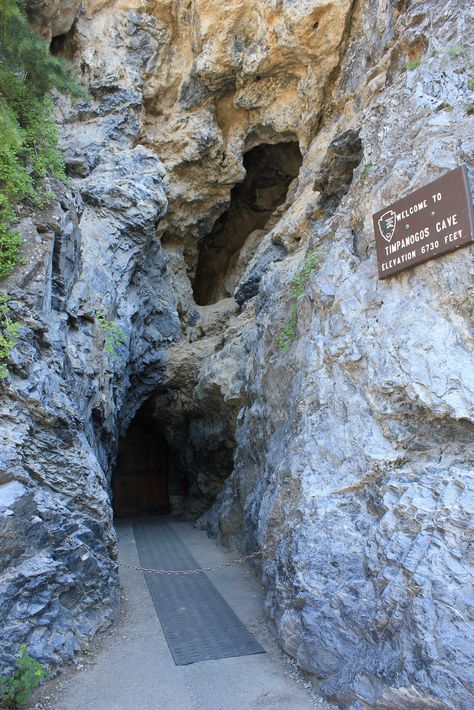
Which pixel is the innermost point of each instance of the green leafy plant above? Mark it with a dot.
(8, 335)
(470, 108)
(114, 334)
(311, 262)
(28, 138)
(470, 84)
(410, 66)
(365, 170)
(10, 243)
(288, 332)
(455, 50)
(16, 689)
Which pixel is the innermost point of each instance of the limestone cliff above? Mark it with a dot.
(222, 143)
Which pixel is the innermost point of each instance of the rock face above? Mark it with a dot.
(66, 400)
(327, 411)
(52, 18)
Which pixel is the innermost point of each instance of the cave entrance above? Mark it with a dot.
(175, 456)
(141, 478)
(270, 168)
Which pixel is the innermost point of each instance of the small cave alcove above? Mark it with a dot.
(64, 45)
(270, 168)
(144, 479)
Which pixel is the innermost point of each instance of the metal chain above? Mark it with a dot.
(244, 558)
(197, 571)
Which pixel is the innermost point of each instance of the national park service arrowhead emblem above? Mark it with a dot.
(387, 223)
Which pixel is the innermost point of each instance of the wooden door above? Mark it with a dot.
(140, 479)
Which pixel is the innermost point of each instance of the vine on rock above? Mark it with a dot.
(311, 262)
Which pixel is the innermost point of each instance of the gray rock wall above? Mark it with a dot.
(67, 398)
(356, 443)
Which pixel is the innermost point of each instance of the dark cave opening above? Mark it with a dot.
(270, 168)
(172, 458)
(64, 45)
(145, 480)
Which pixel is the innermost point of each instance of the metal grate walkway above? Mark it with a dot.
(197, 622)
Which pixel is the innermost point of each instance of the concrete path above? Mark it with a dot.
(131, 668)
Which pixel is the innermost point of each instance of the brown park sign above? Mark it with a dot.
(436, 219)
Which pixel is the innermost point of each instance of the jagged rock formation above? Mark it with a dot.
(67, 399)
(353, 443)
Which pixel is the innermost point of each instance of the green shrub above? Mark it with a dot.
(470, 84)
(10, 244)
(16, 689)
(8, 335)
(311, 262)
(28, 138)
(410, 66)
(114, 335)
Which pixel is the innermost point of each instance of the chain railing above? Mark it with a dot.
(201, 570)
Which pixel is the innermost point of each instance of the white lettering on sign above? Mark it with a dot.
(446, 223)
(431, 246)
(407, 241)
(413, 209)
(399, 260)
(453, 236)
